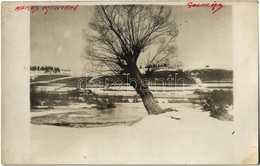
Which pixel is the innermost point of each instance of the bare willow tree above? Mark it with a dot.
(122, 33)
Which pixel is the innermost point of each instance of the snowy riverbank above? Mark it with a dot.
(195, 138)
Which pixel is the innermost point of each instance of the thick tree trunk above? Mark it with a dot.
(142, 89)
(149, 102)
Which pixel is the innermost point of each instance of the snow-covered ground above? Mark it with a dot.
(157, 139)
(185, 87)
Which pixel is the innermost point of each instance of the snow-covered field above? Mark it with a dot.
(188, 136)
(194, 139)
(117, 89)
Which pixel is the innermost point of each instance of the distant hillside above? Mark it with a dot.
(72, 82)
(186, 77)
(46, 77)
(164, 75)
(212, 75)
(167, 77)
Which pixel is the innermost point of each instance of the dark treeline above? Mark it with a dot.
(156, 65)
(46, 69)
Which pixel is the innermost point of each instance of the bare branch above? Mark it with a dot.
(122, 32)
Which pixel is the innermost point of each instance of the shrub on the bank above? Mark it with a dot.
(37, 97)
(135, 99)
(107, 103)
(44, 98)
(217, 103)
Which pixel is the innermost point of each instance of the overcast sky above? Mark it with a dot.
(204, 38)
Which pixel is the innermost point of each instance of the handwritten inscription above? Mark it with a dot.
(46, 9)
(214, 6)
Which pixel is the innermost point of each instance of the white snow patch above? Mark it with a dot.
(157, 139)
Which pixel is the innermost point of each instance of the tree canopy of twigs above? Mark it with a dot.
(121, 33)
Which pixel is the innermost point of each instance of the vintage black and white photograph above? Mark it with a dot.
(134, 84)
